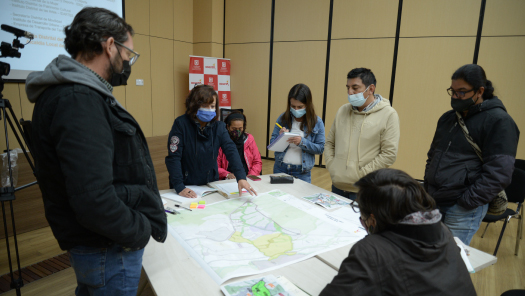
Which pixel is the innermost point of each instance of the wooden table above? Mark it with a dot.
(172, 271)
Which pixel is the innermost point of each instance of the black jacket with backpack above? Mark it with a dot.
(454, 173)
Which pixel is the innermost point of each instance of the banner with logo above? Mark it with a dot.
(214, 72)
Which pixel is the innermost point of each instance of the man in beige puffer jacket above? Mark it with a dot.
(364, 136)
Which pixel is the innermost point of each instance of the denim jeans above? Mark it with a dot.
(463, 223)
(292, 170)
(102, 271)
(347, 194)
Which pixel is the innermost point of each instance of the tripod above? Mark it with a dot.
(7, 194)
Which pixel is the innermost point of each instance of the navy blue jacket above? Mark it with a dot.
(192, 153)
(454, 173)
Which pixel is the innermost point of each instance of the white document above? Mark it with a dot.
(230, 188)
(281, 142)
(181, 200)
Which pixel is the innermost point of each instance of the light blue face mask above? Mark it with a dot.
(358, 100)
(298, 113)
(205, 114)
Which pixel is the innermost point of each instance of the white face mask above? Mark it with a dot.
(358, 100)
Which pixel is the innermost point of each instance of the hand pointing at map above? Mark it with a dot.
(244, 184)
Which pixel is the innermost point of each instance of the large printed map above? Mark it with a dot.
(244, 236)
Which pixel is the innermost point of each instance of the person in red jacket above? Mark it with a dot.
(248, 151)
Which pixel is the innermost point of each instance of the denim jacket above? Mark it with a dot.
(311, 144)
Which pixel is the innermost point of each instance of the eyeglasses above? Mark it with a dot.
(133, 57)
(354, 206)
(459, 94)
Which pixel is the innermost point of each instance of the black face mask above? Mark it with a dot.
(460, 105)
(121, 78)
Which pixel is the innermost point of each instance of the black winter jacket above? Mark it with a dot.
(454, 173)
(405, 260)
(93, 165)
(192, 153)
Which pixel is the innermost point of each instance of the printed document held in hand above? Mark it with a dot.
(281, 142)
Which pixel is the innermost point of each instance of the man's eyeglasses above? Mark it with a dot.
(354, 206)
(459, 94)
(133, 56)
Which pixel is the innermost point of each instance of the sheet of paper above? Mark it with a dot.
(281, 142)
(230, 188)
(326, 201)
(180, 200)
(268, 285)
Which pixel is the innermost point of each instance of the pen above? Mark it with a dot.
(171, 211)
(179, 206)
(278, 125)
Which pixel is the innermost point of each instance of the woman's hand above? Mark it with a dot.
(295, 140)
(230, 176)
(283, 130)
(244, 184)
(188, 193)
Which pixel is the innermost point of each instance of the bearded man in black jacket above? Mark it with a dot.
(92, 160)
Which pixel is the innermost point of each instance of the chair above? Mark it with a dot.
(516, 194)
(224, 112)
(514, 293)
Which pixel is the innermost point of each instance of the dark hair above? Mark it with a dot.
(302, 93)
(90, 27)
(365, 74)
(391, 195)
(200, 95)
(230, 118)
(475, 76)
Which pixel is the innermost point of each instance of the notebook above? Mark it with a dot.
(199, 190)
(281, 142)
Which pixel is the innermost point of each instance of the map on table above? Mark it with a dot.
(245, 236)
(326, 201)
(269, 285)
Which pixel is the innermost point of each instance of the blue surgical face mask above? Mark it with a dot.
(205, 114)
(358, 100)
(298, 113)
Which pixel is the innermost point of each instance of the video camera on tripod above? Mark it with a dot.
(8, 193)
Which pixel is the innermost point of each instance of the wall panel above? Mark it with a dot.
(368, 19)
(138, 16)
(424, 68)
(439, 18)
(162, 85)
(138, 98)
(504, 18)
(297, 62)
(181, 61)
(502, 60)
(249, 89)
(183, 20)
(248, 21)
(301, 20)
(161, 19)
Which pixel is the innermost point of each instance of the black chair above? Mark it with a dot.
(515, 194)
(224, 112)
(514, 293)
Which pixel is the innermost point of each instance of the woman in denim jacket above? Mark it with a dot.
(299, 157)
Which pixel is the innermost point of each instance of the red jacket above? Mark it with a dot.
(251, 155)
